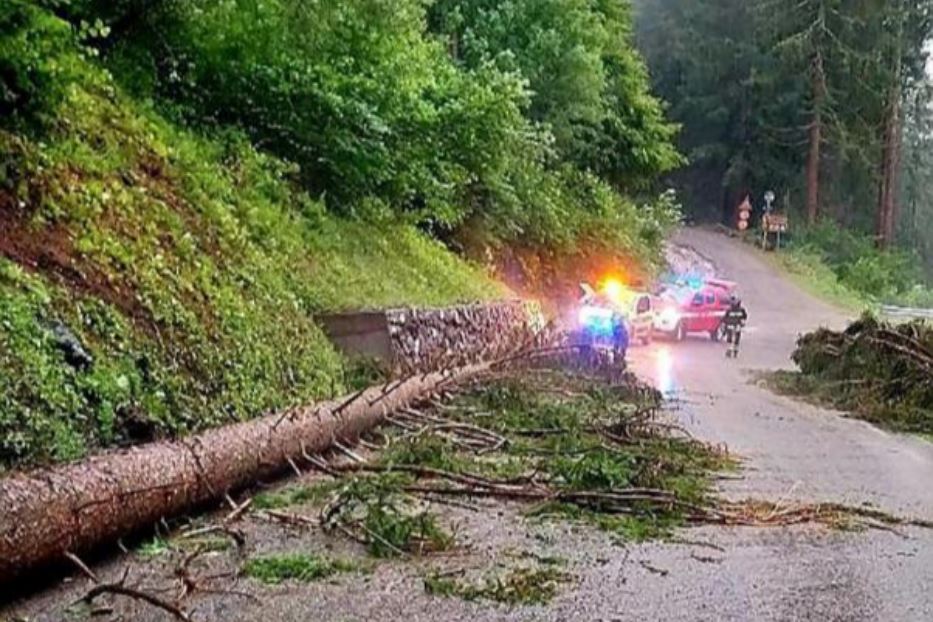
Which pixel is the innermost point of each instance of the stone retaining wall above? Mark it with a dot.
(432, 339)
(413, 341)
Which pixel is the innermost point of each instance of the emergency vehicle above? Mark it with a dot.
(680, 311)
(600, 326)
(635, 307)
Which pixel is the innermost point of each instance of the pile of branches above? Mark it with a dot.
(579, 447)
(881, 371)
(553, 438)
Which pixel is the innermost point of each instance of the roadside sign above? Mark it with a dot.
(744, 214)
(773, 224)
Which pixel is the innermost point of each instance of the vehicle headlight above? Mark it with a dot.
(586, 314)
(670, 316)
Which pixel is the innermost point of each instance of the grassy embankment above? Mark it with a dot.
(156, 281)
(847, 269)
(811, 274)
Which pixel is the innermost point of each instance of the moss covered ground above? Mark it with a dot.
(156, 281)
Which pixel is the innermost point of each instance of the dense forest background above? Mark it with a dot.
(826, 102)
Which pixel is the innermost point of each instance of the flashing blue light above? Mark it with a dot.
(597, 320)
(690, 280)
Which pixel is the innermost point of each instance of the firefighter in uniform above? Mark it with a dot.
(733, 322)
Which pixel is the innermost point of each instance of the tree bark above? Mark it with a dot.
(891, 147)
(894, 199)
(47, 513)
(815, 140)
(890, 170)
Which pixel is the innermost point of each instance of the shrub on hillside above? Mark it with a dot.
(37, 62)
(859, 265)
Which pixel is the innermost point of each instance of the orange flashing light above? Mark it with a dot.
(613, 289)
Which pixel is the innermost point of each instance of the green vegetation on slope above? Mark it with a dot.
(847, 269)
(859, 267)
(183, 185)
(414, 111)
(187, 268)
(811, 273)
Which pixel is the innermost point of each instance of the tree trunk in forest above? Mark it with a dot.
(894, 203)
(886, 221)
(890, 170)
(727, 206)
(47, 513)
(816, 140)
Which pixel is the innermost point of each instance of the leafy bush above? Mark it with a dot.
(37, 63)
(888, 276)
(354, 93)
(494, 139)
(588, 85)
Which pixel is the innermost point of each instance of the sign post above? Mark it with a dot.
(769, 199)
(772, 223)
(745, 213)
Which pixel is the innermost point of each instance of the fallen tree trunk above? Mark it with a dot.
(47, 513)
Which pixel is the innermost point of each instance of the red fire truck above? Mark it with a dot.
(684, 310)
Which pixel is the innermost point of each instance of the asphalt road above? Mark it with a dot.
(790, 451)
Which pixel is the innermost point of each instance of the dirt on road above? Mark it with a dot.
(791, 452)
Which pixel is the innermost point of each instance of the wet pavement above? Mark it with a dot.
(790, 451)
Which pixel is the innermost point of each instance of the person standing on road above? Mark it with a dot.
(735, 319)
(620, 336)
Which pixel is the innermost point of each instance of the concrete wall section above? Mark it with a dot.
(363, 333)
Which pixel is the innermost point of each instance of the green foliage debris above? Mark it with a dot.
(877, 371)
(297, 494)
(517, 586)
(274, 569)
(390, 522)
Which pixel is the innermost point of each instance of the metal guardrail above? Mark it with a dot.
(906, 312)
